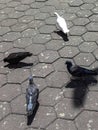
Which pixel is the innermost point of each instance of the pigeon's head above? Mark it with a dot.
(56, 14)
(30, 80)
(5, 59)
(68, 63)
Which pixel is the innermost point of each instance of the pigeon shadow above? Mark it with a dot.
(63, 35)
(80, 88)
(19, 65)
(31, 117)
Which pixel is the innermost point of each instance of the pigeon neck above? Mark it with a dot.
(68, 67)
(57, 14)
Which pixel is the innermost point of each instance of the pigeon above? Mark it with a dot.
(78, 71)
(15, 58)
(32, 93)
(62, 23)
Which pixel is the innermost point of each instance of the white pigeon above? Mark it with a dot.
(62, 23)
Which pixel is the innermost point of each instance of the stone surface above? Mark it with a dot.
(64, 102)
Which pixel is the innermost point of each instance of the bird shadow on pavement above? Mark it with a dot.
(31, 117)
(63, 35)
(80, 89)
(19, 65)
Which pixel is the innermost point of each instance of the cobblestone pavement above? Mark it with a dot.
(30, 25)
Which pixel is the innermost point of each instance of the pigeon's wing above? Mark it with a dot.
(62, 23)
(12, 56)
(78, 71)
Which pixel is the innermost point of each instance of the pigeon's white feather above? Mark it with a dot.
(62, 23)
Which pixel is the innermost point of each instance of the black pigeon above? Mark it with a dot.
(15, 58)
(78, 71)
(32, 93)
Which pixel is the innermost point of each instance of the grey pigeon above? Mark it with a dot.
(78, 71)
(15, 58)
(32, 93)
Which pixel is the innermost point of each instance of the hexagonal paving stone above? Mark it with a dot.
(6, 10)
(90, 36)
(1, 56)
(96, 53)
(32, 12)
(85, 59)
(3, 16)
(69, 16)
(4, 109)
(95, 10)
(2, 79)
(18, 76)
(88, 46)
(76, 3)
(22, 42)
(55, 45)
(91, 102)
(65, 109)
(94, 18)
(4, 30)
(42, 70)
(47, 29)
(74, 40)
(87, 120)
(50, 96)
(48, 56)
(81, 21)
(69, 52)
(87, 6)
(57, 79)
(47, 9)
(44, 116)
(4, 46)
(29, 33)
(77, 30)
(36, 24)
(35, 48)
(26, 19)
(40, 83)
(8, 22)
(61, 124)
(13, 122)
(84, 13)
(21, 7)
(27, 2)
(41, 16)
(37, 5)
(92, 26)
(15, 14)
(13, 3)
(11, 36)
(3, 70)
(20, 102)
(72, 9)
(51, 20)
(19, 27)
(9, 91)
(59, 64)
(42, 38)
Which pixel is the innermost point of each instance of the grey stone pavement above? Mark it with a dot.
(30, 25)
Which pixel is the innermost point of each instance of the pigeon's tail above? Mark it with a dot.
(28, 54)
(91, 72)
(56, 14)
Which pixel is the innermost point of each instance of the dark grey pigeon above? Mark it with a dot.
(32, 93)
(15, 58)
(78, 71)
